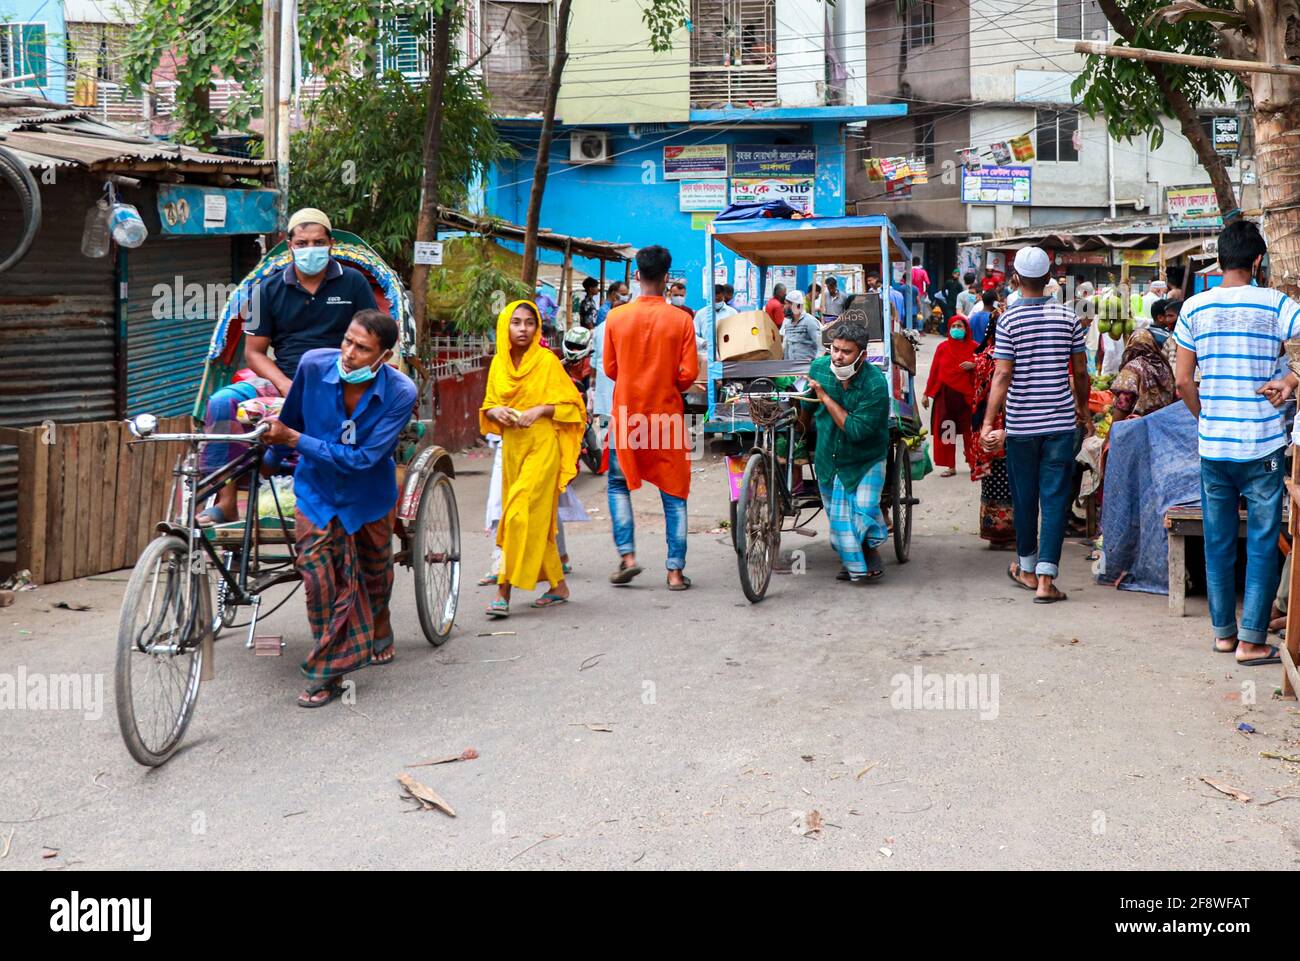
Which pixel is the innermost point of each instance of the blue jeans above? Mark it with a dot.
(620, 512)
(1041, 470)
(1224, 484)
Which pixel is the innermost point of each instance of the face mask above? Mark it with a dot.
(679, 301)
(361, 375)
(719, 304)
(957, 333)
(311, 260)
(847, 371)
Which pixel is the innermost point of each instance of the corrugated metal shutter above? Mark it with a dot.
(57, 331)
(176, 289)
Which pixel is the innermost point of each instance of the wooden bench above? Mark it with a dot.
(1182, 523)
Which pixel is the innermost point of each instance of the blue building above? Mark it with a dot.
(754, 101)
(32, 45)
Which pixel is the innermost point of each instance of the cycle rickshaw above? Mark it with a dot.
(190, 582)
(745, 398)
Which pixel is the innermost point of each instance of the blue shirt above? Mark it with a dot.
(979, 326)
(345, 466)
(1236, 334)
(298, 321)
(898, 307)
(604, 402)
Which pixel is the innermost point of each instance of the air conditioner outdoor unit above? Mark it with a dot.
(589, 147)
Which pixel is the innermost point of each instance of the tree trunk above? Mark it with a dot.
(1183, 110)
(543, 165)
(426, 226)
(1277, 147)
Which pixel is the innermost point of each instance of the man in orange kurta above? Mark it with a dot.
(650, 355)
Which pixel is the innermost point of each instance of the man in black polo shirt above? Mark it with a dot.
(306, 306)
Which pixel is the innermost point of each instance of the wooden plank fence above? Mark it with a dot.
(87, 503)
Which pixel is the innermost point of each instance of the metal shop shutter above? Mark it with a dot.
(176, 289)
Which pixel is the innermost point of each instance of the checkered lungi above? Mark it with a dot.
(348, 582)
(856, 517)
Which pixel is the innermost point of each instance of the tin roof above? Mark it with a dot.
(46, 134)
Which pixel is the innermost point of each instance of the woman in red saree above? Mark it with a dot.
(952, 388)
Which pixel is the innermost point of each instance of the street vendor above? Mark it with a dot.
(852, 423)
(307, 306)
(343, 414)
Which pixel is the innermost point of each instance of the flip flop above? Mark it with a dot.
(567, 568)
(498, 608)
(1056, 597)
(334, 691)
(1214, 645)
(211, 517)
(624, 575)
(685, 585)
(487, 579)
(389, 650)
(1015, 578)
(1272, 657)
(550, 600)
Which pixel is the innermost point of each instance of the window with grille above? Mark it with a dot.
(733, 52)
(1056, 131)
(515, 68)
(920, 24)
(22, 52)
(404, 45)
(923, 139)
(1080, 20)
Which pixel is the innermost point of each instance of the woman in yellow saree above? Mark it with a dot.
(533, 405)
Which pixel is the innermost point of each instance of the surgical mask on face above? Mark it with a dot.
(678, 300)
(311, 260)
(361, 375)
(719, 304)
(957, 333)
(847, 371)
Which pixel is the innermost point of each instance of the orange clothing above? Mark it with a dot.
(776, 310)
(650, 355)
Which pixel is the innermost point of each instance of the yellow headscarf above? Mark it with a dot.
(540, 378)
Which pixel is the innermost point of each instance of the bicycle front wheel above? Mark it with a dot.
(166, 613)
(758, 528)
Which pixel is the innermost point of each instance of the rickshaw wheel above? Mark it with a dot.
(435, 555)
(156, 692)
(758, 529)
(900, 496)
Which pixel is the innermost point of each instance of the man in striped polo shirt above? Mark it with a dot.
(1234, 334)
(1042, 379)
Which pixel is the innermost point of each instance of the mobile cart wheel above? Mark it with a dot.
(757, 527)
(435, 556)
(901, 500)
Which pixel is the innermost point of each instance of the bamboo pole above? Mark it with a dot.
(1100, 49)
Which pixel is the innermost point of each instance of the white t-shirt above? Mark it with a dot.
(1237, 335)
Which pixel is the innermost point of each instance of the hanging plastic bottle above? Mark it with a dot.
(127, 227)
(95, 233)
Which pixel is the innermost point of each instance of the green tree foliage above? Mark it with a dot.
(358, 155)
(1126, 93)
(208, 39)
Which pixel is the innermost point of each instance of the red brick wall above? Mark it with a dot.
(457, 426)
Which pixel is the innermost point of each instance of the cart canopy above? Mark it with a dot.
(818, 240)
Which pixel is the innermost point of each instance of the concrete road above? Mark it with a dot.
(729, 724)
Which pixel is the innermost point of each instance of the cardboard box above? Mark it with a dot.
(749, 335)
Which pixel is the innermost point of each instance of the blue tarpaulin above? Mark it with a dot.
(1136, 496)
(777, 209)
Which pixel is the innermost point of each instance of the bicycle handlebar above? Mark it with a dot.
(251, 437)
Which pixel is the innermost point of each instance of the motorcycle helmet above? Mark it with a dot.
(577, 343)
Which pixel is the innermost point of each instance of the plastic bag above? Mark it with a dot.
(919, 461)
(281, 489)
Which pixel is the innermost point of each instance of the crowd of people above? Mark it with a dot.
(1010, 384)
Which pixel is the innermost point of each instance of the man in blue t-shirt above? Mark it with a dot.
(1234, 334)
(306, 306)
